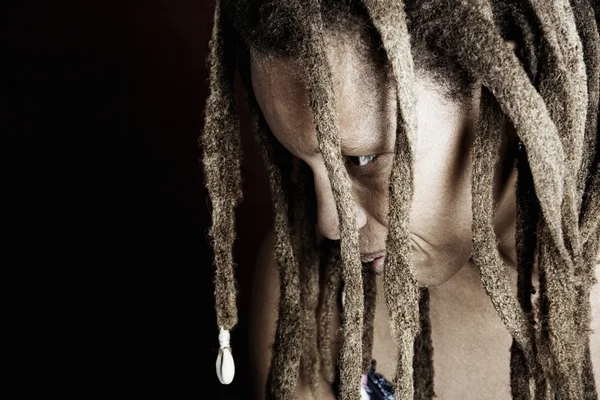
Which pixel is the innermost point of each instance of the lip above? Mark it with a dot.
(368, 257)
(418, 243)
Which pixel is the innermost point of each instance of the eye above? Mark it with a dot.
(361, 161)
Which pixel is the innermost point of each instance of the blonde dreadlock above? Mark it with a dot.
(321, 98)
(222, 160)
(390, 21)
(308, 256)
(288, 338)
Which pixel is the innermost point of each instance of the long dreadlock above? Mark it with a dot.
(390, 21)
(548, 91)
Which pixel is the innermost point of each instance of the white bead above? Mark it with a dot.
(224, 337)
(225, 365)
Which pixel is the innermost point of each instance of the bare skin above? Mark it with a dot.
(470, 343)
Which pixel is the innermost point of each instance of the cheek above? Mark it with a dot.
(372, 195)
(446, 236)
(440, 225)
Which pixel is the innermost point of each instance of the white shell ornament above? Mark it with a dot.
(364, 395)
(225, 365)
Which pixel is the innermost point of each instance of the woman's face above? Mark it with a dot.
(440, 219)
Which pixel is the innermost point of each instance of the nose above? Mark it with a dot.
(327, 213)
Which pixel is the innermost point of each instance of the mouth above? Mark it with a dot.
(374, 260)
(369, 257)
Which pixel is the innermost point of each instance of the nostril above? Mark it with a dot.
(330, 234)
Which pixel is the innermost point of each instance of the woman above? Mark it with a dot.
(434, 175)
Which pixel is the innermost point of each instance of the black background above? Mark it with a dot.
(105, 210)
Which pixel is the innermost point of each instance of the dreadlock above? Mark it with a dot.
(486, 256)
(423, 350)
(370, 290)
(390, 21)
(288, 338)
(222, 160)
(563, 87)
(308, 256)
(331, 288)
(547, 93)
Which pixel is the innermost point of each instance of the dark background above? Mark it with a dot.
(105, 205)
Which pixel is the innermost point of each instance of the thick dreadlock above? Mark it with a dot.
(222, 160)
(548, 92)
(321, 99)
(308, 256)
(329, 297)
(288, 338)
(486, 256)
(564, 89)
(390, 20)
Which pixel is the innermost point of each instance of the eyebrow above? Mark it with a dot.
(372, 143)
(356, 145)
(350, 148)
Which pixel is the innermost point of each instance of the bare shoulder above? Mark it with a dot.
(263, 323)
(595, 338)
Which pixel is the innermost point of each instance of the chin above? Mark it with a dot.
(434, 274)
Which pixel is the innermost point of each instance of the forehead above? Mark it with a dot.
(364, 98)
